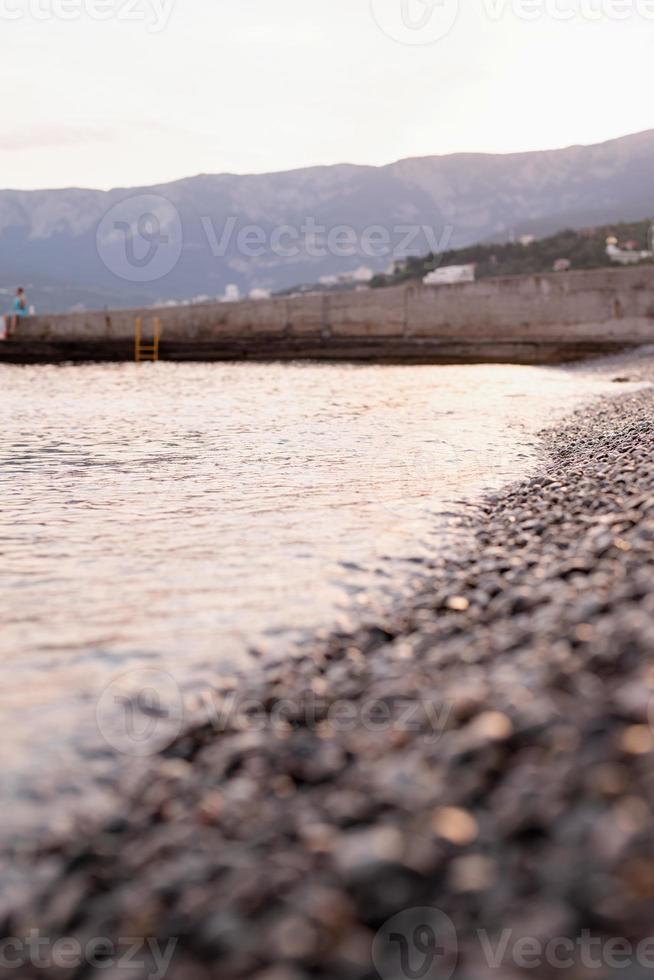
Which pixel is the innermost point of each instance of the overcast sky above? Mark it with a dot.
(150, 93)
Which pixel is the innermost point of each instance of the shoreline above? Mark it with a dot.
(498, 752)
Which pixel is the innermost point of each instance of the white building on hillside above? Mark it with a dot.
(232, 294)
(450, 274)
(624, 256)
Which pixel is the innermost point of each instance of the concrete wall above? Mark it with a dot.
(521, 318)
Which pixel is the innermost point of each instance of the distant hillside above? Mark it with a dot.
(48, 239)
(584, 249)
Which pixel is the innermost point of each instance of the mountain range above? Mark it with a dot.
(191, 238)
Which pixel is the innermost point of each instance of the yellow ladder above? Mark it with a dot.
(146, 351)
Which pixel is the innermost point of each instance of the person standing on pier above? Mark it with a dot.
(18, 311)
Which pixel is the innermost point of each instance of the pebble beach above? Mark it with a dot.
(475, 766)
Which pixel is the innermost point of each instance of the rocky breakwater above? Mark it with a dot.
(482, 761)
(517, 319)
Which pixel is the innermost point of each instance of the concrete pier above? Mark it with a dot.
(520, 319)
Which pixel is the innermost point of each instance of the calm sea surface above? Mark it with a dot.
(176, 517)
